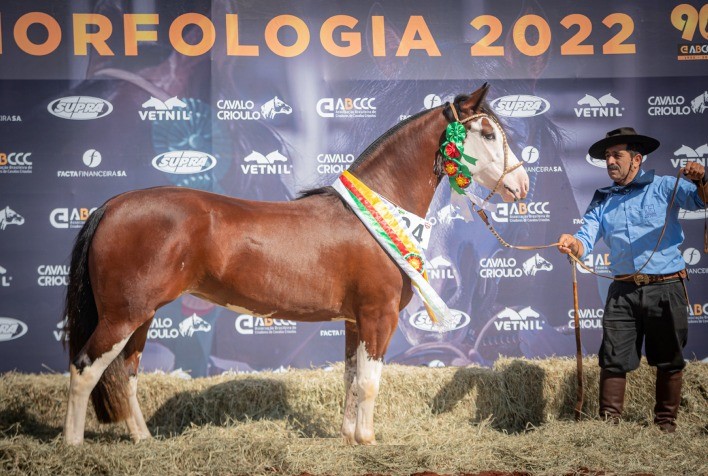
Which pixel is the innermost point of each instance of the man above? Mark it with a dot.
(652, 306)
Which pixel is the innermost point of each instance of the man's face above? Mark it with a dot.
(621, 166)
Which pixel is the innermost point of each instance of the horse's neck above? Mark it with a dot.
(401, 169)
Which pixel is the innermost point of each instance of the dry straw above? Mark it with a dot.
(517, 416)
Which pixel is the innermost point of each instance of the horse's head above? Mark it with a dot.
(8, 216)
(496, 166)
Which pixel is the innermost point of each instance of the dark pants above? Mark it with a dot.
(656, 314)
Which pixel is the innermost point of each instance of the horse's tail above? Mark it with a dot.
(110, 395)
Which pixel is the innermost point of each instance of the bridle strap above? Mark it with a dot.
(507, 170)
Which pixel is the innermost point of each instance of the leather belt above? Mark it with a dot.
(641, 279)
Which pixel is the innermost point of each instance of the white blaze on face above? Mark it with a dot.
(368, 377)
(489, 152)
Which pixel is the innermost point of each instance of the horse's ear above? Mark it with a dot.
(474, 103)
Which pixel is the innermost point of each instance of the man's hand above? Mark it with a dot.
(694, 171)
(568, 244)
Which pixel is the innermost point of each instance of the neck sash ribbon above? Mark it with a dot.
(382, 219)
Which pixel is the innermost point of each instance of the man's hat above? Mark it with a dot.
(623, 135)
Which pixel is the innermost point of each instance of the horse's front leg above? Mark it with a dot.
(375, 331)
(351, 396)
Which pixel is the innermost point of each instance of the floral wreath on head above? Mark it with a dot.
(453, 150)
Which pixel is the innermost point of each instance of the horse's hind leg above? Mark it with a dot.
(133, 351)
(101, 349)
(350, 387)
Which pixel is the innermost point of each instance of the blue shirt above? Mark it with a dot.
(629, 219)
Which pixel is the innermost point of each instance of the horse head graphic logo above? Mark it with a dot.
(168, 105)
(522, 315)
(9, 216)
(275, 106)
(700, 103)
(692, 153)
(602, 101)
(535, 264)
(449, 213)
(193, 324)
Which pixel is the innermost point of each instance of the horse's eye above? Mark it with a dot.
(489, 136)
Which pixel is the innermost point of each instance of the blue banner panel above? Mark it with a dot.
(263, 100)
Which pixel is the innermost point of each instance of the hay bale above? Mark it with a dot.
(516, 416)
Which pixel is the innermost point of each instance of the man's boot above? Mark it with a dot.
(668, 399)
(612, 386)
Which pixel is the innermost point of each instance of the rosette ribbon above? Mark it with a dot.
(453, 149)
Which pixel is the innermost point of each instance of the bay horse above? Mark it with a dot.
(309, 259)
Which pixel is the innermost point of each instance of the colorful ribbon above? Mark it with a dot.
(383, 222)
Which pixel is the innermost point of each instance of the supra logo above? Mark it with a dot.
(11, 329)
(346, 107)
(4, 278)
(80, 108)
(246, 324)
(522, 212)
(184, 162)
(173, 109)
(520, 105)
(526, 319)
(8, 216)
(440, 268)
(272, 163)
(15, 163)
(69, 217)
(604, 106)
(421, 320)
(685, 154)
(246, 110)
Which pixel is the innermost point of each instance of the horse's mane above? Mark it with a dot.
(368, 152)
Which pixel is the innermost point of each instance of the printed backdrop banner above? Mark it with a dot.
(274, 97)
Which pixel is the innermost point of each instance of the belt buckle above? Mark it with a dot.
(641, 279)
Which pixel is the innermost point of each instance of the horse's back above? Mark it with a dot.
(301, 259)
